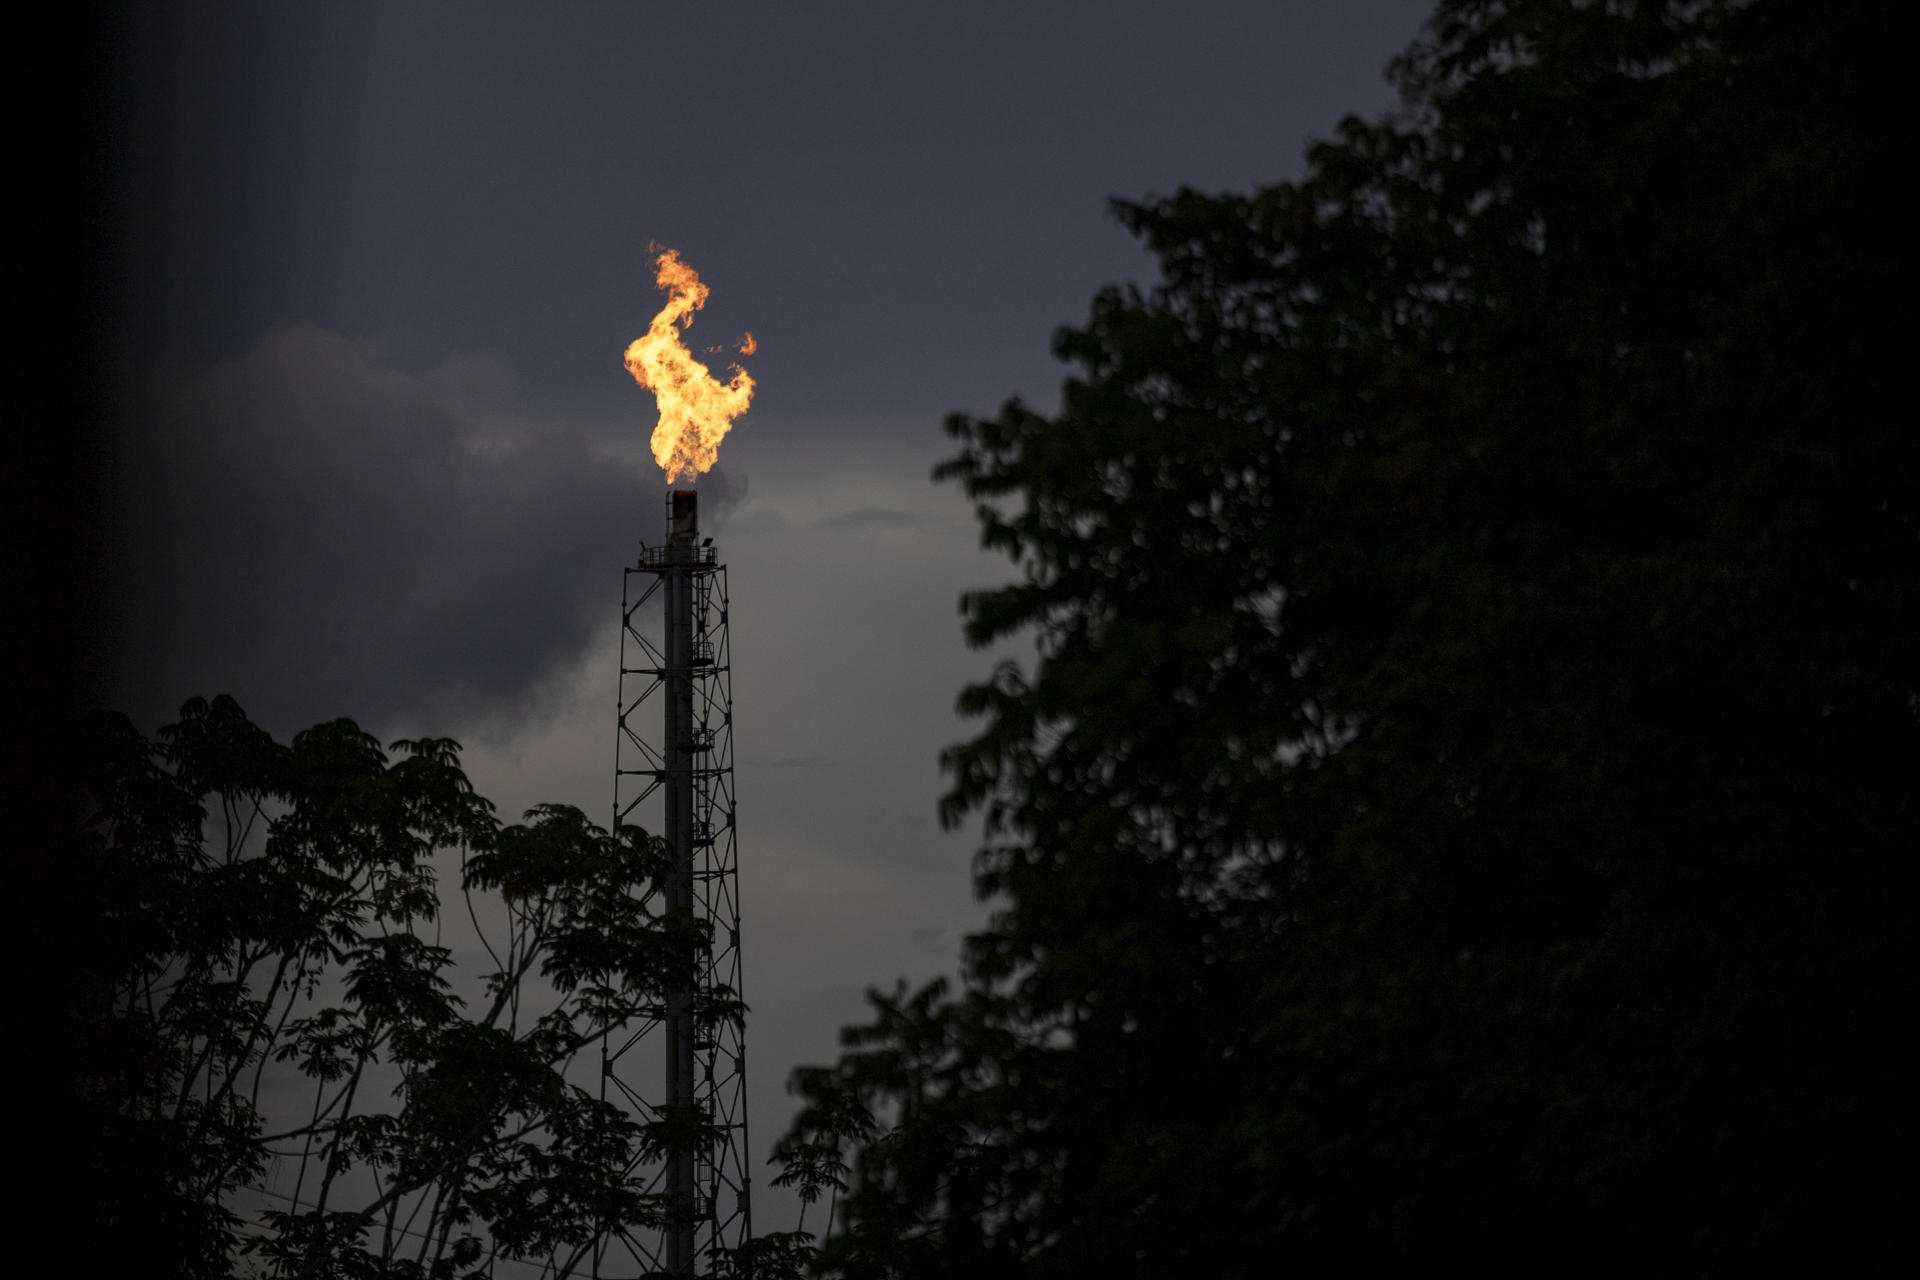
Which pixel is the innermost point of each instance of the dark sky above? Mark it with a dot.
(375, 454)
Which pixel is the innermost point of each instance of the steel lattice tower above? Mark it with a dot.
(688, 675)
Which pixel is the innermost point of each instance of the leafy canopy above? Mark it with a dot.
(1463, 803)
(278, 996)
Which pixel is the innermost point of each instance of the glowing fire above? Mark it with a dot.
(696, 409)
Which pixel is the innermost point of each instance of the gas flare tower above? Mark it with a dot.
(701, 1085)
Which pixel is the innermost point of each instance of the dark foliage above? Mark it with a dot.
(1464, 803)
(270, 986)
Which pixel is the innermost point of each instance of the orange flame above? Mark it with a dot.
(696, 409)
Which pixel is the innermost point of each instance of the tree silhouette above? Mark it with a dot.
(275, 988)
(1464, 801)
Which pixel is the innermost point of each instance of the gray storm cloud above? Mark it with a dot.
(320, 533)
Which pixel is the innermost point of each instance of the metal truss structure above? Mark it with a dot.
(687, 675)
